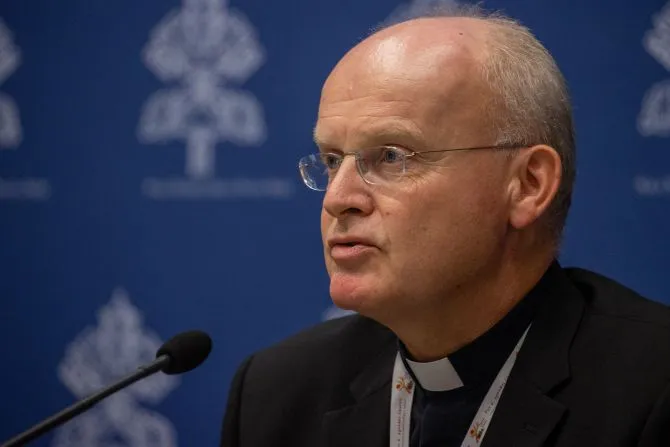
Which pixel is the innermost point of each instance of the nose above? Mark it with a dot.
(347, 193)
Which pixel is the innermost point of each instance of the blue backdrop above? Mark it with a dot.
(148, 185)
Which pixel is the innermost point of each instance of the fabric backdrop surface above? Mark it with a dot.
(148, 185)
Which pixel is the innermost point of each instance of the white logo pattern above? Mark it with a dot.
(654, 118)
(10, 58)
(97, 357)
(11, 132)
(204, 47)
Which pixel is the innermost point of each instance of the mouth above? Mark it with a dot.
(349, 242)
(350, 249)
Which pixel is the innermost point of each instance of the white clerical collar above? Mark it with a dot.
(439, 375)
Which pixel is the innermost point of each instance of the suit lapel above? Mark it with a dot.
(526, 414)
(524, 418)
(365, 423)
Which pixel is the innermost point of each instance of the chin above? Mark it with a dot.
(356, 294)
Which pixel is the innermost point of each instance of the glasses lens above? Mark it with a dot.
(314, 172)
(383, 164)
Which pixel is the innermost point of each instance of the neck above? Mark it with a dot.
(450, 324)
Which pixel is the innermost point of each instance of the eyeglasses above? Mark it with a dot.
(377, 165)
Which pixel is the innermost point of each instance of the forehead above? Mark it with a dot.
(396, 87)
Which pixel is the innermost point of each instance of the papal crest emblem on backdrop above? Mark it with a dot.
(203, 52)
(101, 354)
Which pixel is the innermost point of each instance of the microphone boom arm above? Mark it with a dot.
(79, 407)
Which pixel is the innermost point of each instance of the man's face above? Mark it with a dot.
(392, 247)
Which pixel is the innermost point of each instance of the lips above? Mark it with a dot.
(349, 241)
(348, 249)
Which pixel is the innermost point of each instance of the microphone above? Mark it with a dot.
(180, 354)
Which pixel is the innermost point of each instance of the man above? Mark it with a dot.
(446, 154)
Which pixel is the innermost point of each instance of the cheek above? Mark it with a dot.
(443, 225)
(325, 224)
(477, 196)
(326, 219)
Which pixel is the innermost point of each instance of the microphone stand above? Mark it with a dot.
(84, 404)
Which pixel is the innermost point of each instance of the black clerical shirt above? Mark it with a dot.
(441, 418)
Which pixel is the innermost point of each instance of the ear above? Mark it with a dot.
(536, 176)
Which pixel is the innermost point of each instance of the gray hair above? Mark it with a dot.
(530, 103)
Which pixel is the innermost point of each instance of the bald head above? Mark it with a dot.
(427, 41)
(433, 65)
(423, 50)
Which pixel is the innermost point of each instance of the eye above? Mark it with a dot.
(331, 161)
(391, 155)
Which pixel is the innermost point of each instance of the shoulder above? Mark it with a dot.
(296, 381)
(620, 327)
(339, 347)
(330, 336)
(610, 299)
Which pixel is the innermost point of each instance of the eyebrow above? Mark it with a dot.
(381, 132)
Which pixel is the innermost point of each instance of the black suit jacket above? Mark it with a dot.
(594, 371)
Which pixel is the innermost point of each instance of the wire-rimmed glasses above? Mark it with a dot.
(376, 165)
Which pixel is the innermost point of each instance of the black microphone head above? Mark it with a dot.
(186, 351)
